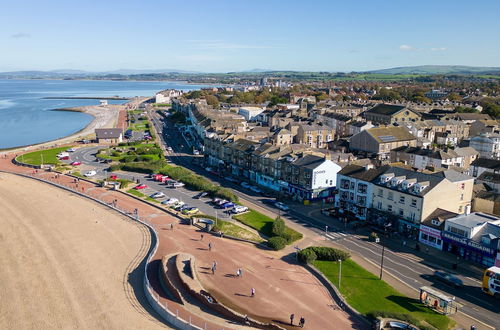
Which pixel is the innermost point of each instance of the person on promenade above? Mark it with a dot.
(238, 273)
(209, 246)
(253, 292)
(302, 322)
(214, 265)
(201, 237)
(171, 226)
(292, 316)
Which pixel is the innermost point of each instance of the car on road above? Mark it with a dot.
(448, 278)
(75, 163)
(239, 209)
(245, 185)
(170, 201)
(196, 152)
(269, 201)
(62, 154)
(71, 150)
(158, 194)
(90, 173)
(141, 186)
(255, 189)
(190, 210)
(281, 206)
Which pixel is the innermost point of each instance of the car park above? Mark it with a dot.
(281, 206)
(75, 163)
(448, 278)
(141, 186)
(239, 209)
(170, 201)
(158, 194)
(90, 173)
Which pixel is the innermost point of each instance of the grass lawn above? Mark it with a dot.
(366, 293)
(263, 224)
(135, 193)
(231, 229)
(35, 158)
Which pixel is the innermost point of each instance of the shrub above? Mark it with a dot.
(393, 315)
(116, 154)
(307, 256)
(276, 243)
(327, 253)
(279, 227)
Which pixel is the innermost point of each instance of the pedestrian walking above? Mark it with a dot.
(214, 265)
(213, 270)
(171, 226)
(253, 292)
(238, 273)
(292, 316)
(209, 246)
(302, 322)
(201, 237)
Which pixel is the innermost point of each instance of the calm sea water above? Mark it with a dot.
(26, 117)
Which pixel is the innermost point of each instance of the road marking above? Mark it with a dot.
(473, 318)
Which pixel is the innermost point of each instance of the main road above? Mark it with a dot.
(407, 266)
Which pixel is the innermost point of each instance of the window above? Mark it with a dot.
(461, 197)
(344, 184)
(458, 231)
(351, 196)
(331, 182)
(352, 185)
(462, 186)
(425, 237)
(460, 209)
(413, 202)
(389, 208)
(390, 196)
(379, 205)
(402, 199)
(412, 216)
(362, 188)
(380, 193)
(344, 195)
(361, 200)
(401, 212)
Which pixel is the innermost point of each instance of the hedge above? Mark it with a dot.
(276, 243)
(399, 316)
(322, 253)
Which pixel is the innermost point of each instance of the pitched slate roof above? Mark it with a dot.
(390, 134)
(108, 133)
(360, 172)
(489, 177)
(431, 180)
(386, 109)
(492, 164)
(309, 161)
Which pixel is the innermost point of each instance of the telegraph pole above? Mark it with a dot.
(382, 260)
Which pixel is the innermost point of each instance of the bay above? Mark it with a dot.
(26, 117)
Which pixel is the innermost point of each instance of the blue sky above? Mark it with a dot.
(220, 35)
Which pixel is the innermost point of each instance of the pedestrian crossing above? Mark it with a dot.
(336, 236)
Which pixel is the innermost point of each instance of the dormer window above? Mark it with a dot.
(435, 222)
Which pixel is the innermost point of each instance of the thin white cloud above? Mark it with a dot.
(406, 48)
(221, 44)
(20, 35)
(438, 49)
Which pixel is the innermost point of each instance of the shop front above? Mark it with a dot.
(468, 249)
(431, 236)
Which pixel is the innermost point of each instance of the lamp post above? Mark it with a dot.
(326, 233)
(340, 271)
(382, 260)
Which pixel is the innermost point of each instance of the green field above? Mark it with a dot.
(233, 230)
(48, 156)
(367, 294)
(136, 193)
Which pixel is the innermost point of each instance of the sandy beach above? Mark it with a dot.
(68, 262)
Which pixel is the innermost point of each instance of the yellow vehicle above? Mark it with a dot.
(491, 281)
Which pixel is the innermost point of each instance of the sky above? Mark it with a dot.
(237, 35)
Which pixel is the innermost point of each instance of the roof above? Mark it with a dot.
(390, 134)
(436, 154)
(314, 127)
(361, 173)
(429, 180)
(309, 161)
(466, 151)
(108, 133)
(454, 176)
(473, 219)
(489, 177)
(491, 164)
(469, 116)
(488, 195)
(386, 109)
(439, 215)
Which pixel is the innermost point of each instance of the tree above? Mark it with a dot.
(212, 101)
(454, 97)
(278, 227)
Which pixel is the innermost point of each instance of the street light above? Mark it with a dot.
(382, 260)
(326, 233)
(340, 271)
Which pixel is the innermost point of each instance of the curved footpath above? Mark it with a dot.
(282, 288)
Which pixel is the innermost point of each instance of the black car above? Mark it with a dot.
(448, 278)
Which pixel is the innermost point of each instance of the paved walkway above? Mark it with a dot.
(281, 287)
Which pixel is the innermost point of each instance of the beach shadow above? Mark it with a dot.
(205, 268)
(230, 275)
(243, 295)
(202, 249)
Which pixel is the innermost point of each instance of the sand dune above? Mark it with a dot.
(67, 262)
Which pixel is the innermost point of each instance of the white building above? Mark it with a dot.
(167, 95)
(250, 113)
(488, 145)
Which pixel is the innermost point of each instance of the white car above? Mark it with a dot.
(178, 185)
(281, 206)
(239, 209)
(90, 173)
(245, 185)
(158, 194)
(170, 149)
(170, 201)
(196, 152)
(71, 150)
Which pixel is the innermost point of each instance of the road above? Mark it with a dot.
(400, 262)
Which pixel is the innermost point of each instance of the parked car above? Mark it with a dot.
(141, 186)
(176, 185)
(255, 189)
(64, 158)
(170, 149)
(62, 154)
(227, 205)
(196, 152)
(201, 195)
(170, 201)
(75, 163)
(448, 278)
(178, 205)
(221, 201)
(90, 173)
(215, 200)
(281, 206)
(239, 209)
(190, 210)
(71, 150)
(113, 177)
(245, 185)
(158, 194)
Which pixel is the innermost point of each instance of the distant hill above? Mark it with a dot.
(439, 69)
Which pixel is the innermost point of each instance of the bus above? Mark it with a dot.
(491, 281)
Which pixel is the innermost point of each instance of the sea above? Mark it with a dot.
(26, 116)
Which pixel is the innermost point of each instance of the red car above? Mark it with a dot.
(113, 177)
(64, 158)
(76, 163)
(141, 186)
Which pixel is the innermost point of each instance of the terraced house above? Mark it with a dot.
(388, 114)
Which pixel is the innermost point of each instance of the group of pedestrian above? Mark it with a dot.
(302, 320)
